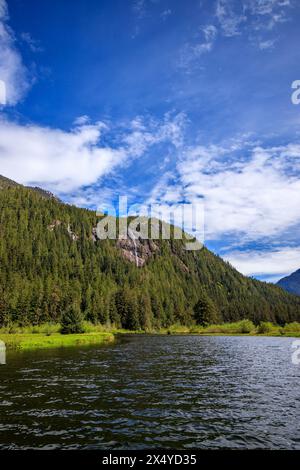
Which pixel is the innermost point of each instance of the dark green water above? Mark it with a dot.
(153, 391)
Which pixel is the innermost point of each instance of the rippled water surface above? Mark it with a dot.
(153, 391)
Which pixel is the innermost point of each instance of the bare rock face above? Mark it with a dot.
(182, 265)
(56, 223)
(137, 251)
(72, 234)
(94, 237)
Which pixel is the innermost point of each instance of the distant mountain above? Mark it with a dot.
(291, 283)
(51, 257)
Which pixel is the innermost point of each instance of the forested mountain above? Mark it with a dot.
(7, 183)
(50, 258)
(291, 283)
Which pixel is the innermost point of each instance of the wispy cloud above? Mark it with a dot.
(33, 44)
(234, 16)
(12, 70)
(192, 51)
(267, 13)
(139, 8)
(252, 17)
(268, 44)
(210, 33)
(230, 16)
(253, 20)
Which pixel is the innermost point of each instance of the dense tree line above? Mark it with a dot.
(44, 271)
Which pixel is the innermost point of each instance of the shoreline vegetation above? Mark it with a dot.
(31, 341)
(48, 335)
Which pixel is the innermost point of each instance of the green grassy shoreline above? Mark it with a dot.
(243, 327)
(48, 336)
(30, 341)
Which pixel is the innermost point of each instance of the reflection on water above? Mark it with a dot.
(153, 391)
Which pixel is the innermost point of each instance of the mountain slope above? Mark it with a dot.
(291, 283)
(7, 183)
(50, 257)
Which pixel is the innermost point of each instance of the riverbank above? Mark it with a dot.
(243, 327)
(30, 341)
(48, 336)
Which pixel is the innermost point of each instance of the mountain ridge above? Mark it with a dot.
(6, 183)
(291, 283)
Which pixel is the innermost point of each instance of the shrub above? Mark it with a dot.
(265, 327)
(246, 326)
(292, 328)
(240, 327)
(90, 327)
(216, 329)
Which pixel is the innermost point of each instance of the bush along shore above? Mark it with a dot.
(56, 335)
(243, 327)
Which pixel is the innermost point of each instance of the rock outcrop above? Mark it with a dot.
(137, 251)
(57, 223)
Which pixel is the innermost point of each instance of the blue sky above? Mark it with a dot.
(162, 101)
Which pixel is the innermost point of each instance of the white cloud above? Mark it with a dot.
(229, 19)
(143, 134)
(268, 44)
(251, 194)
(191, 52)
(2, 93)
(253, 17)
(210, 33)
(256, 19)
(82, 120)
(252, 14)
(12, 70)
(256, 194)
(279, 262)
(64, 161)
(54, 158)
(267, 13)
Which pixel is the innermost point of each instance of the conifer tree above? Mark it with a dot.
(72, 320)
(205, 311)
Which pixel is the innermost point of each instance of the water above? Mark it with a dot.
(153, 392)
